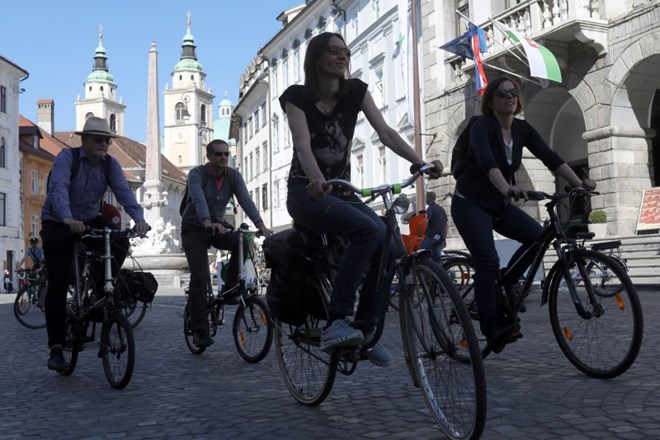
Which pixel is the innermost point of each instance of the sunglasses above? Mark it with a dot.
(103, 140)
(338, 50)
(505, 93)
(221, 153)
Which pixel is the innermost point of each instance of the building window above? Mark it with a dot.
(276, 134)
(2, 152)
(179, 110)
(256, 121)
(264, 149)
(202, 113)
(35, 181)
(276, 194)
(382, 162)
(35, 225)
(360, 170)
(257, 162)
(113, 123)
(3, 99)
(378, 91)
(2, 209)
(250, 127)
(264, 119)
(256, 198)
(264, 196)
(250, 162)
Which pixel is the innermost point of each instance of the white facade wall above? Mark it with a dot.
(11, 229)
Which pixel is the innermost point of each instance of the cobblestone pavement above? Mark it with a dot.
(533, 391)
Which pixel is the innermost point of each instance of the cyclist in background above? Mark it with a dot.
(322, 115)
(36, 255)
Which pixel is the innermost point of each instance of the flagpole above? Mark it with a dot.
(419, 188)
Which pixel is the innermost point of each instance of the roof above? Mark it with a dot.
(130, 154)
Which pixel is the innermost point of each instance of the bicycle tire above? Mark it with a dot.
(439, 338)
(134, 311)
(308, 372)
(188, 334)
(605, 344)
(71, 347)
(252, 329)
(117, 350)
(29, 305)
(461, 270)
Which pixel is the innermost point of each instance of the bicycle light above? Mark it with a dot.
(401, 204)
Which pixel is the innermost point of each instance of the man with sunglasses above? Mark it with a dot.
(482, 198)
(72, 202)
(210, 188)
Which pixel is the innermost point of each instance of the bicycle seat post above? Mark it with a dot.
(107, 261)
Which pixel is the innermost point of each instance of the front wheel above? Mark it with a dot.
(308, 372)
(29, 305)
(603, 341)
(117, 350)
(252, 329)
(443, 351)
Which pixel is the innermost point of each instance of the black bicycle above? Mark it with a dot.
(251, 327)
(29, 305)
(440, 345)
(595, 312)
(87, 307)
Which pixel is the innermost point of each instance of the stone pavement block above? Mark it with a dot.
(533, 391)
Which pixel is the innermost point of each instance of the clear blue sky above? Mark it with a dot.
(55, 42)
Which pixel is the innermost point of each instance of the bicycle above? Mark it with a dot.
(440, 346)
(29, 305)
(597, 320)
(135, 307)
(87, 308)
(251, 327)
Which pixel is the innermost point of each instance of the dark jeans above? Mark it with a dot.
(476, 226)
(58, 245)
(196, 243)
(345, 216)
(434, 245)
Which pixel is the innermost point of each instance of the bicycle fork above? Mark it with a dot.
(566, 258)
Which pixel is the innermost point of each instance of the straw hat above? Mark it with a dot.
(95, 126)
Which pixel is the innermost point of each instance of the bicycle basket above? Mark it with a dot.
(141, 286)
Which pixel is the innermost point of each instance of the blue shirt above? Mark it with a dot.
(80, 198)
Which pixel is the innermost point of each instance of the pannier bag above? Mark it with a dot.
(289, 290)
(140, 285)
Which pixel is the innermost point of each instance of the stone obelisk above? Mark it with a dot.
(153, 199)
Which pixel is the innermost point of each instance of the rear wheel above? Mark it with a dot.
(605, 340)
(308, 372)
(252, 329)
(29, 304)
(72, 345)
(444, 353)
(117, 350)
(134, 310)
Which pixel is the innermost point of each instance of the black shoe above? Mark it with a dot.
(202, 340)
(56, 359)
(499, 335)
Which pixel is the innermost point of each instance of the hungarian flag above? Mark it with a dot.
(542, 63)
(471, 45)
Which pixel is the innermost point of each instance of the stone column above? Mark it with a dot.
(153, 199)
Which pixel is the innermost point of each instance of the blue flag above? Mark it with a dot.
(462, 45)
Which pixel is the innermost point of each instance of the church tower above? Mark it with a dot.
(187, 110)
(100, 95)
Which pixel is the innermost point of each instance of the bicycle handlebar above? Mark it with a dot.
(569, 191)
(99, 232)
(372, 191)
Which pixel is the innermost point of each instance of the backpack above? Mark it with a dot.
(106, 165)
(231, 179)
(460, 154)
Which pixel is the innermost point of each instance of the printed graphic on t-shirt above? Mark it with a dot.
(332, 157)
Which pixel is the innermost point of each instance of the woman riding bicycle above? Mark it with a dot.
(481, 202)
(322, 115)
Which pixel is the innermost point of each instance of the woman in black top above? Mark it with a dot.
(322, 115)
(481, 202)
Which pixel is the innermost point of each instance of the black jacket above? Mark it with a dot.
(487, 151)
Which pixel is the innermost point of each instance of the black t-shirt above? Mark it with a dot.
(330, 135)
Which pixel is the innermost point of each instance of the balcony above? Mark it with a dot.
(553, 23)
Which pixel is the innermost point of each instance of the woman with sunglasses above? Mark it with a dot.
(322, 115)
(481, 202)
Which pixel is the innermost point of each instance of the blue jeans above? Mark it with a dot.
(434, 245)
(476, 226)
(345, 216)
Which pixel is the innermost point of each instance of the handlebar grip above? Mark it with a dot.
(535, 195)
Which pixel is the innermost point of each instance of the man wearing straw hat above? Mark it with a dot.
(76, 185)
